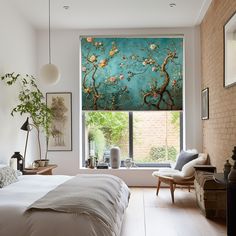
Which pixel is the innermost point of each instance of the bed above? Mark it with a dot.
(24, 210)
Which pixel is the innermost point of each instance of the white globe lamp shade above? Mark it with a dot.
(49, 74)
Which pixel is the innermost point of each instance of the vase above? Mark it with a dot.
(41, 162)
(44, 162)
(115, 157)
(227, 169)
(17, 161)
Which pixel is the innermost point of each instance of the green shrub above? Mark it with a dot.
(114, 125)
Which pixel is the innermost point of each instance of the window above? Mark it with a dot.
(149, 138)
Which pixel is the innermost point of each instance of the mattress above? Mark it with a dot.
(16, 198)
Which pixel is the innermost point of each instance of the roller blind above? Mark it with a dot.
(132, 74)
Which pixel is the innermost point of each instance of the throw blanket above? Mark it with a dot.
(102, 197)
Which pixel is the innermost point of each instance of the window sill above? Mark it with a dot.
(122, 169)
(136, 176)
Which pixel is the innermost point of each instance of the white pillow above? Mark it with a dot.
(7, 176)
(188, 169)
(18, 172)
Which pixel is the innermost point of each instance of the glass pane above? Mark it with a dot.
(156, 136)
(104, 130)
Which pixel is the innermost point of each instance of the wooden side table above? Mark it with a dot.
(47, 170)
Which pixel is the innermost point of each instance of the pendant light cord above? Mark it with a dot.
(49, 31)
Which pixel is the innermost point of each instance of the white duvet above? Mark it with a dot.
(17, 197)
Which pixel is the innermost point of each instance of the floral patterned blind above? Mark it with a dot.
(132, 74)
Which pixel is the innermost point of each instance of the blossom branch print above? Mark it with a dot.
(132, 73)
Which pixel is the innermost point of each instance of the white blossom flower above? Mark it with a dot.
(153, 46)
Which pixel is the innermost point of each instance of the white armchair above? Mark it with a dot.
(174, 177)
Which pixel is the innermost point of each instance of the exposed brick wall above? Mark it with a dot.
(219, 132)
(154, 131)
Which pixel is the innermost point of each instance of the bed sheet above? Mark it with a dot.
(15, 198)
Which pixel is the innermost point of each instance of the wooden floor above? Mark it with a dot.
(149, 215)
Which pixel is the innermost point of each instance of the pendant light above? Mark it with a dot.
(49, 73)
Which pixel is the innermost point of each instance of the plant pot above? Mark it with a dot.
(46, 162)
(41, 163)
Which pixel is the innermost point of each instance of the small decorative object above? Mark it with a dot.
(128, 162)
(115, 157)
(133, 164)
(122, 163)
(232, 174)
(205, 104)
(90, 163)
(16, 161)
(61, 126)
(229, 52)
(95, 161)
(35, 165)
(106, 157)
(102, 166)
(86, 164)
(227, 169)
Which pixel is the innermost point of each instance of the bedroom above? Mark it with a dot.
(24, 49)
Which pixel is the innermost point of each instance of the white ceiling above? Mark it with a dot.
(87, 14)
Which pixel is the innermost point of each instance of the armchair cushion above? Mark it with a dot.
(165, 172)
(188, 169)
(185, 157)
(187, 172)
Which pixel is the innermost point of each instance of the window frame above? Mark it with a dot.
(131, 146)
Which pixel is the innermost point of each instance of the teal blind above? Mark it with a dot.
(132, 74)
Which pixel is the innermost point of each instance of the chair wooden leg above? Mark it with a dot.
(158, 186)
(189, 188)
(172, 192)
(174, 187)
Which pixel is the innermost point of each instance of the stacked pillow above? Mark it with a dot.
(184, 158)
(188, 169)
(7, 176)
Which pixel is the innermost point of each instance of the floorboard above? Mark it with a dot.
(151, 215)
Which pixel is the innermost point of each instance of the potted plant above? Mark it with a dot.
(31, 102)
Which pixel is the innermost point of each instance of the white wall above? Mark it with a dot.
(65, 54)
(17, 53)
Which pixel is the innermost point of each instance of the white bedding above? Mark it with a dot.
(15, 198)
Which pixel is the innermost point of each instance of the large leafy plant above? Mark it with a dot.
(31, 100)
(114, 125)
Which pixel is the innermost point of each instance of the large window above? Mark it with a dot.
(147, 137)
